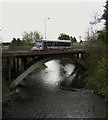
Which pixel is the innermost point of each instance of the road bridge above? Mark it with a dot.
(41, 53)
(18, 64)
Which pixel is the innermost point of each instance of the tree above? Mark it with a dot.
(63, 36)
(16, 42)
(19, 42)
(105, 17)
(31, 37)
(74, 40)
(13, 42)
(101, 35)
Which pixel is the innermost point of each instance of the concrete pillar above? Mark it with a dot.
(17, 64)
(14, 65)
(25, 63)
(9, 69)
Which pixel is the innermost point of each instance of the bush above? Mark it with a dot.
(98, 65)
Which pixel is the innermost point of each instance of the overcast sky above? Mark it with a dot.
(70, 18)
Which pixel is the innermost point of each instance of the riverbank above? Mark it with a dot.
(97, 60)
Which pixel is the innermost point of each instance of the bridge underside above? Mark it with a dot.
(18, 67)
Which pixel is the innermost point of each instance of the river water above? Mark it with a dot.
(40, 96)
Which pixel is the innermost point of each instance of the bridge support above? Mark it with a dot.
(80, 55)
(17, 62)
(37, 66)
(23, 63)
(9, 69)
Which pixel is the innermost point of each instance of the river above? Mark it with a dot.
(39, 96)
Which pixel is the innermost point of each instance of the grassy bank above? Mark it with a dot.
(97, 80)
(98, 66)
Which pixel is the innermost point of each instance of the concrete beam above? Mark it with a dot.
(36, 66)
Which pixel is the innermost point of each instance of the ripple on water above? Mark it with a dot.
(43, 99)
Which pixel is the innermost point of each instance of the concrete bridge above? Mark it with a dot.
(18, 64)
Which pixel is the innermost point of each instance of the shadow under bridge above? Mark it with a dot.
(20, 64)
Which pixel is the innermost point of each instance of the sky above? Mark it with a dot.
(71, 18)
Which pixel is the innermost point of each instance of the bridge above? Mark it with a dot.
(18, 64)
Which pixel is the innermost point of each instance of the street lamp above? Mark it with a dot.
(45, 25)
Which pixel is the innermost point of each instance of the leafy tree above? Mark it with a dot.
(101, 35)
(31, 37)
(97, 59)
(105, 17)
(74, 40)
(63, 36)
(13, 42)
(80, 41)
(16, 42)
(19, 42)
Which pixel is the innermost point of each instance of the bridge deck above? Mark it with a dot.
(17, 62)
(39, 53)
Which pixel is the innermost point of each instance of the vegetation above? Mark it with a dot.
(27, 40)
(97, 46)
(63, 36)
(31, 37)
(16, 42)
(105, 17)
(98, 64)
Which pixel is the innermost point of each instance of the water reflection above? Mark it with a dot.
(69, 68)
(55, 72)
(51, 75)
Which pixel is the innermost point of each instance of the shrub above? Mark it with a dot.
(98, 65)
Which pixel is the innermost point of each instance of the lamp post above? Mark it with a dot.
(45, 25)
